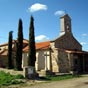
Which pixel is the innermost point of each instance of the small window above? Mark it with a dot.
(75, 61)
(68, 28)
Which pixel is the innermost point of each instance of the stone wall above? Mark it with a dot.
(64, 62)
(61, 61)
(3, 61)
(67, 41)
(54, 56)
(24, 60)
(11, 71)
(42, 60)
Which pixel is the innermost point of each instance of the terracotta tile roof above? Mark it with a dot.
(25, 41)
(4, 52)
(78, 52)
(41, 45)
(72, 51)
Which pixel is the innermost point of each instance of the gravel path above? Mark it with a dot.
(71, 83)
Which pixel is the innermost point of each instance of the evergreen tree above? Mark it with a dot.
(32, 50)
(19, 46)
(10, 61)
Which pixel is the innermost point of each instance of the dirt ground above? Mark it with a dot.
(70, 83)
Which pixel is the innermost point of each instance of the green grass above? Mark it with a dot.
(8, 79)
(58, 78)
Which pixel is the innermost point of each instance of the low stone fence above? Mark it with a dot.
(13, 72)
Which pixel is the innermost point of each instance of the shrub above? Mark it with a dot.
(8, 79)
(19, 76)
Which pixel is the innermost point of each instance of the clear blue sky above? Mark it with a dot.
(46, 14)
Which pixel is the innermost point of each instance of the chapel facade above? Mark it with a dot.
(64, 54)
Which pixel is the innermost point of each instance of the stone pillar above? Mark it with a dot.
(45, 63)
(36, 62)
(70, 63)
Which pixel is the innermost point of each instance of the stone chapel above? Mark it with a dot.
(62, 55)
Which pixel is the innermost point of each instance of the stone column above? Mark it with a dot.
(45, 62)
(71, 64)
(69, 58)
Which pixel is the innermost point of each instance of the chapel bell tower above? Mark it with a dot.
(65, 23)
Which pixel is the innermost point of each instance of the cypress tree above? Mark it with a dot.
(32, 50)
(10, 61)
(19, 46)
